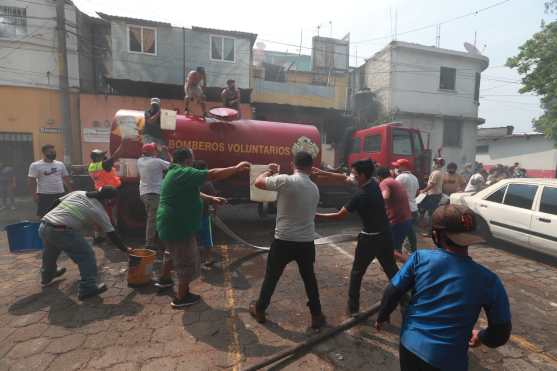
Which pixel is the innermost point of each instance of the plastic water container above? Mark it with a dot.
(24, 236)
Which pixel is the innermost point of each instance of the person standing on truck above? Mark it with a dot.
(433, 192)
(411, 185)
(196, 82)
(297, 200)
(453, 182)
(151, 173)
(375, 239)
(46, 179)
(152, 132)
(178, 219)
(449, 291)
(61, 231)
(230, 96)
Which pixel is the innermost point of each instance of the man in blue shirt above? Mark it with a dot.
(448, 290)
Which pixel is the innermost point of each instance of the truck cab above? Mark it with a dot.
(387, 143)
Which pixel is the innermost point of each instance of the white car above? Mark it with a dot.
(519, 210)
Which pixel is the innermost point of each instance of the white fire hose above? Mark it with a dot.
(336, 238)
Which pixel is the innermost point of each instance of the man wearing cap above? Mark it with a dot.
(152, 132)
(411, 185)
(433, 190)
(230, 96)
(61, 230)
(448, 291)
(151, 172)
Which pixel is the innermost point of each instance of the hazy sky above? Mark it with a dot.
(500, 30)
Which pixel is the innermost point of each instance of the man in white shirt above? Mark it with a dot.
(61, 230)
(297, 201)
(433, 191)
(151, 172)
(411, 185)
(46, 179)
(476, 182)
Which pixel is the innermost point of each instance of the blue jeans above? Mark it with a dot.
(400, 231)
(76, 247)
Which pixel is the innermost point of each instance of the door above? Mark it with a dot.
(544, 222)
(401, 144)
(16, 150)
(514, 217)
(488, 208)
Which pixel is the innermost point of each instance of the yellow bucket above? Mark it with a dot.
(140, 269)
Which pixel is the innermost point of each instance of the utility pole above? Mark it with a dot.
(63, 80)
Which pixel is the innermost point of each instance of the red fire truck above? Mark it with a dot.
(224, 143)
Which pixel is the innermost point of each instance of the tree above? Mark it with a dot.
(537, 63)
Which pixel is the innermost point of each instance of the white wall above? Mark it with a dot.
(32, 60)
(533, 152)
(378, 79)
(415, 87)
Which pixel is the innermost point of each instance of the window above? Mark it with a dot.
(548, 203)
(372, 143)
(418, 144)
(356, 145)
(477, 88)
(223, 48)
(452, 133)
(497, 196)
(484, 148)
(521, 195)
(13, 22)
(402, 142)
(448, 78)
(142, 40)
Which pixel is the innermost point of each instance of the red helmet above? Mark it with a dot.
(149, 149)
(401, 162)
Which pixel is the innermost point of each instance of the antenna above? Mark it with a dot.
(438, 36)
(396, 23)
(301, 38)
(331, 27)
(475, 37)
(318, 28)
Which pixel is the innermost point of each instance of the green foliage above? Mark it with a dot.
(537, 63)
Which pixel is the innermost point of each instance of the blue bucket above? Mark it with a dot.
(24, 236)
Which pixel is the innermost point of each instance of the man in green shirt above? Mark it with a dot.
(179, 217)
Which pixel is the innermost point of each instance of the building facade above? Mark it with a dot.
(432, 89)
(532, 151)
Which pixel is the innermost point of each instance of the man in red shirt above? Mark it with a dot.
(398, 209)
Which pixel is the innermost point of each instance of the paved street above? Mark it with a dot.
(129, 329)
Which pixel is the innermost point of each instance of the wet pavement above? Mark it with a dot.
(136, 329)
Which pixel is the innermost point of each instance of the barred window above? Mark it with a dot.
(13, 22)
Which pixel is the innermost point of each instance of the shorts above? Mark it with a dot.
(399, 232)
(194, 92)
(45, 202)
(185, 258)
(205, 233)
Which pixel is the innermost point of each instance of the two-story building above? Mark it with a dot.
(31, 113)
(432, 89)
(125, 61)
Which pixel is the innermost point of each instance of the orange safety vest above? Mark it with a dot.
(103, 178)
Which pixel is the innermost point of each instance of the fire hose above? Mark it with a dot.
(309, 343)
(336, 238)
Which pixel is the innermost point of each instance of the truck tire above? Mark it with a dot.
(131, 212)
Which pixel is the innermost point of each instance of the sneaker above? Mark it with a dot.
(318, 321)
(259, 316)
(51, 280)
(164, 283)
(99, 290)
(189, 299)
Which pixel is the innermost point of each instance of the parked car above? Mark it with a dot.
(522, 211)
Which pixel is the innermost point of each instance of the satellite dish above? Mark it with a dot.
(471, 49)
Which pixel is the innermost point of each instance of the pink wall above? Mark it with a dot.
(99, 110)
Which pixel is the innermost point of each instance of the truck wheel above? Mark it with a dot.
(131, 212)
